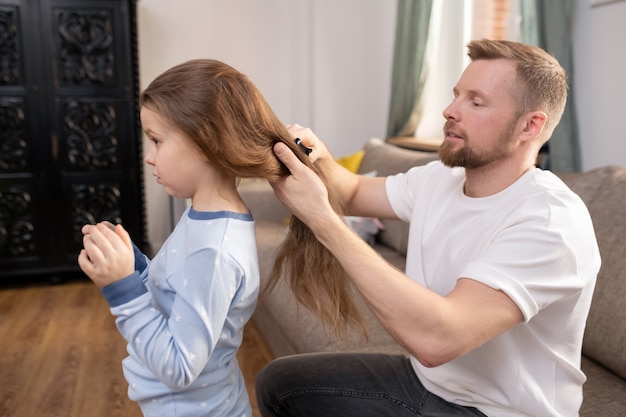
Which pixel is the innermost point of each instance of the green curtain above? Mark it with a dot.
(548, 24)
(409, 69)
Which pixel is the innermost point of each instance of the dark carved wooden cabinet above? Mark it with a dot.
(70, 143)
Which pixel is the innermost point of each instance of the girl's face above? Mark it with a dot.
(177, 163)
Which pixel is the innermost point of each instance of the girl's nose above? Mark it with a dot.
(149, 159)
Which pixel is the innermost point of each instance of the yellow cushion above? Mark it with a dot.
(352, 162)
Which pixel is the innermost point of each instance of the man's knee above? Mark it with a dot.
(272, 373)
(268, 385)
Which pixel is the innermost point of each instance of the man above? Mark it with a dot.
(501, 262)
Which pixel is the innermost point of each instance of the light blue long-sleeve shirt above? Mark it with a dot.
(183, 315)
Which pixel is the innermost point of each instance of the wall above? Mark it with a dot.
(327, 64)
(319, 63)
(599, 82)
(229, 31)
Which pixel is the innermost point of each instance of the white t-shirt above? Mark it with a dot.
(534, 241)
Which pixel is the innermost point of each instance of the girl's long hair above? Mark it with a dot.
(231, 123)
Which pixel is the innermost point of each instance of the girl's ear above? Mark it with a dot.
(533, 125)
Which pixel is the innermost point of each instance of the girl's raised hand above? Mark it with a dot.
(107, 255)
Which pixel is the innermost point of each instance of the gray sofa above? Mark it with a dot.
(289, 328)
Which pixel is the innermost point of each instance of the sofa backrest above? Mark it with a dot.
(387, 160)
(604, 192)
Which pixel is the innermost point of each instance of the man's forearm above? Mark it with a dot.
(344, 182)
(408, 311)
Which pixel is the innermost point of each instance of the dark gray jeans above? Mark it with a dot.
(348, 384)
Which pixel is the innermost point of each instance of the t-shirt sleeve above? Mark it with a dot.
(539, 258)
(401, 190)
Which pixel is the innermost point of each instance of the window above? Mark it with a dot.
(453, 24)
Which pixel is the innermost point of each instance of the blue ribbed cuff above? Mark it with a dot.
(124, 290)
(140, 259)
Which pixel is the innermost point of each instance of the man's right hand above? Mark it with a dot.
(310, 140)
(302, 192)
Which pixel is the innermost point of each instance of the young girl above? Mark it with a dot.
(183, 313)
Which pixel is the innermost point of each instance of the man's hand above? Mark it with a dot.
(108, 253)
(309, 139)
(303, 192)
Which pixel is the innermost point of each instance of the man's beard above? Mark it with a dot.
(466, 157)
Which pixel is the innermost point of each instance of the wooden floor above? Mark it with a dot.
(60, 354)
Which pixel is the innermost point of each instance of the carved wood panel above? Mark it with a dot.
(9, 51)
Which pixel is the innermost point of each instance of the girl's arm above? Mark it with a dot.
(177, 345)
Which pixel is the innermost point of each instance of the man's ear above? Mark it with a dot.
(533, 125)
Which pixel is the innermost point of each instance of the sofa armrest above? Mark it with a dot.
(260, 199)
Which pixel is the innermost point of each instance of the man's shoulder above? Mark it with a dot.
(544, 181)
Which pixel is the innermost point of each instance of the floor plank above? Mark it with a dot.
(60, 354)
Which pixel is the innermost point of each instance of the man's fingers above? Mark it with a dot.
(294, 130)
(304, 133)
(287, 157)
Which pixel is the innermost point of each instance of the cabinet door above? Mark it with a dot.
(21, 124)
(79, 132)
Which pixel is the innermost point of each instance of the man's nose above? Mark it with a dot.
(450, 112)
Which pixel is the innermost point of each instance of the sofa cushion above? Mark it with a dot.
(292, 328)
(604, 192)
(260, 199)
(352, 162)
(603, 393)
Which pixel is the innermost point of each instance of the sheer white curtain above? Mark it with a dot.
(453, 24)
(450, 30)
